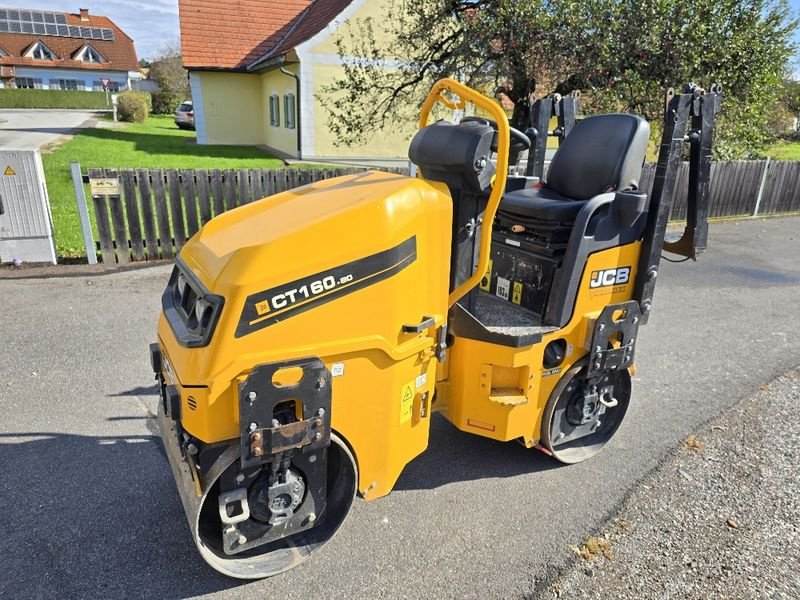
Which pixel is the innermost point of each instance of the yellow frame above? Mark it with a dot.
(499, 183)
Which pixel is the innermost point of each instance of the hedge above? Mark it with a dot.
(165, 103)
(14, 98)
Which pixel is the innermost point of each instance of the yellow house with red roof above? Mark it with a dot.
(256, 68)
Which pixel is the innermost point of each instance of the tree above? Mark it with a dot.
(622, 54)
(168, 72)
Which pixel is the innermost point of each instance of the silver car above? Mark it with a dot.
(184, 115)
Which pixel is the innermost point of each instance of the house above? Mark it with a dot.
(64, 51)
(256, 69)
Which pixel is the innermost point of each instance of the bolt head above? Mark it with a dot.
(253, 426)
(317, 436)
(242, 540)
(312, 517)
(320, 412)
(240, 478)
(252, 396)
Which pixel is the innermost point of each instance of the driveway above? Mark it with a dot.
(89, 508)
(28, 129)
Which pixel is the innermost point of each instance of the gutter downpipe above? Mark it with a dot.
(297, 106)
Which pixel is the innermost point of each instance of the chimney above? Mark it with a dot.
(84, 14)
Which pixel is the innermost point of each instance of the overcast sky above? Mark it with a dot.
(151, 23)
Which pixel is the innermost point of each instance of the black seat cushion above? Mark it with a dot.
(541, 204)
(602, 153)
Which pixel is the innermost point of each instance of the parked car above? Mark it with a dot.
(184, 115)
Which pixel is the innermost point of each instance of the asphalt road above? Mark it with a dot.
(29, 129)
(88, 508)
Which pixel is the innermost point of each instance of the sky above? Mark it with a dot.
(152, 24)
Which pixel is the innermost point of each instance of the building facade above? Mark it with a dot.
(64, 51)
(257, 70)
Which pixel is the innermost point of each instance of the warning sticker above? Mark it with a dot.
(406, 402)
(516, 295)
(9, 171)
(486, 282)
(502, 287)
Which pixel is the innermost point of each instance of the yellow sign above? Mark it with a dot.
(9, 171)
(516, 294)
(486, 281)
(406, 402)
(262, 307)
(104, 187)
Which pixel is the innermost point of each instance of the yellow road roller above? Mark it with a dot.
(307, 338)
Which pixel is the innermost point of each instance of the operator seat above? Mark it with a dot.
(601, 154)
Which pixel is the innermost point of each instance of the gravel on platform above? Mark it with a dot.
(720, 518)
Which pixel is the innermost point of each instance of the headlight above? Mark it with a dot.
(202, 310)
(190, 309)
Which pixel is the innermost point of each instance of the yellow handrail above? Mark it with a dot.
(499, 183)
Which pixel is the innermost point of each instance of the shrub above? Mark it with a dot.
(165, 103)
(20, 98)
(133, 107)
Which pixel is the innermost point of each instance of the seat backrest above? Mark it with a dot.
(600, 154)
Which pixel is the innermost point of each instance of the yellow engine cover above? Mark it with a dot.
(334, 270)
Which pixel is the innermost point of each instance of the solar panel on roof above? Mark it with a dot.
(48, 23)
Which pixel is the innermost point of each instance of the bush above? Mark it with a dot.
(165, 103)
(133, 106)
(14, 98)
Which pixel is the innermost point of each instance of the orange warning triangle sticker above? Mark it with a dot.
(9, 171)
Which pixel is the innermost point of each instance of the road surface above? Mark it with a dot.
(89, 508)
(29, 129)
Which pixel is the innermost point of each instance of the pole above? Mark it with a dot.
(83, 213)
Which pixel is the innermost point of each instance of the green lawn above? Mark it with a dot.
(784, 150)
(158, 143)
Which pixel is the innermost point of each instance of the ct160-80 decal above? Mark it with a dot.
(284, 301)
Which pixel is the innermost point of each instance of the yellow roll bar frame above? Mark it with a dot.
(499, 182)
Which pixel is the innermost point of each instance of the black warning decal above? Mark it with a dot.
(287, 300)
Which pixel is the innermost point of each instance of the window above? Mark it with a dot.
(88, 54)
(289, 110)
(40, 52)
(274, 111)
(28, 83)
(66, 84)
(97, 86)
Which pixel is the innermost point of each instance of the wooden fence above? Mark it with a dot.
(153, 212)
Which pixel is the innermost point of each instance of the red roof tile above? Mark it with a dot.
(233, 35)
(120, 54)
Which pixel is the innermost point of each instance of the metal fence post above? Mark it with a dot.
(761, 188)
(83, 213)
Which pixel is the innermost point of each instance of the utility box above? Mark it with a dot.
(26, 224)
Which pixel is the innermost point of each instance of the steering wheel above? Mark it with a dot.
(519, 141)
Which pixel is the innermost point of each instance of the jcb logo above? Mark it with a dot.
(608, 277)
